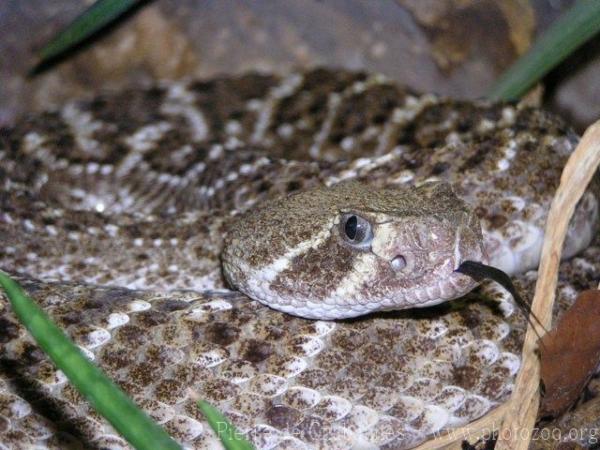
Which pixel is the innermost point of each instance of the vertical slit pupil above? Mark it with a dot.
(351, 227)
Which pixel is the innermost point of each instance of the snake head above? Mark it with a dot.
(347, 250)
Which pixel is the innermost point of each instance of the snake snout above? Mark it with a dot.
(468, 246)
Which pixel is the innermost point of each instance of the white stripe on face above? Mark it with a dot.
(261, 277)
(361, 271)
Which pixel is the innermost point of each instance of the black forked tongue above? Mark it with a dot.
(480, 272)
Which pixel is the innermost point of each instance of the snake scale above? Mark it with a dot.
(331, 191)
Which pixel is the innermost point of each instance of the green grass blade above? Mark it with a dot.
(230, 437)
(570, 31)
(92, 20)
(110, 401)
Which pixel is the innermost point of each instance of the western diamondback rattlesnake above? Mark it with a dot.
(113, 215)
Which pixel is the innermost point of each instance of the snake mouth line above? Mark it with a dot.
(454, 286)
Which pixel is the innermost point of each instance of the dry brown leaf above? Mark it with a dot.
(570, 353)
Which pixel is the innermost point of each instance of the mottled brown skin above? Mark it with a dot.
(324, 276)
(114, 210)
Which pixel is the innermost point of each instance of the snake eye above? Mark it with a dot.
(356, 230)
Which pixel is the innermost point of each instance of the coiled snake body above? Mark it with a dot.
(335, 194)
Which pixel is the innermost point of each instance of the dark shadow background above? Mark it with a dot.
(452, 47)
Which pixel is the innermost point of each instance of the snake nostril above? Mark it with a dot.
(398, 263)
